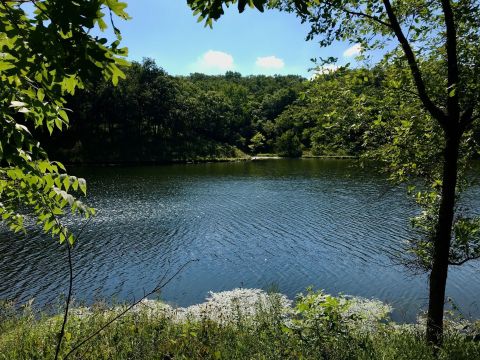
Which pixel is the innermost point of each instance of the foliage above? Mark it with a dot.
(154, 117)
(47, 52)
(317, 316)
(288, 144)
(319, 327)
(257, 142)
(408, 142)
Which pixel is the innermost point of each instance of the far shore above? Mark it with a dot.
(202, 160)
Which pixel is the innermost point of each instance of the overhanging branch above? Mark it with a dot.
(361, 14)
(452, 62)
(463, 261)
(434, 110)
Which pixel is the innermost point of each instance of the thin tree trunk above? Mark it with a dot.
(438, 275)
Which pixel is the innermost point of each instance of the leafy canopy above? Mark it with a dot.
(47, 50)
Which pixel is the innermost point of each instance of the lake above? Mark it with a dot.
(272, 224)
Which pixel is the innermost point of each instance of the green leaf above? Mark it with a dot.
(259, 4)
(48, 225)
(83, 185)
(118, 8)
(66, 183)
(40, 94)
(59, 123)
(6, 66)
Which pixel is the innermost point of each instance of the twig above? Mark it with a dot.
(360, 14)
(67, 304)
(70, 290)
(131, 306)
(463, 261)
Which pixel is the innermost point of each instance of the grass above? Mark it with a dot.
(318, 326)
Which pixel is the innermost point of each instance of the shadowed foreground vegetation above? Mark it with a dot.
(241, 324)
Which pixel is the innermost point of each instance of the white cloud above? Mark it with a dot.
(270, 63)
(353, 50)
(325, 69)
(214, 62)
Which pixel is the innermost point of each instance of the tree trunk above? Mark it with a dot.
(438, 275)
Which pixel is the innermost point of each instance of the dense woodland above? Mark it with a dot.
(152, 116)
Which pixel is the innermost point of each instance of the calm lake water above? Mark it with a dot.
(282, 224)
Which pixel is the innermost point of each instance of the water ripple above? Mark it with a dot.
(287, 224)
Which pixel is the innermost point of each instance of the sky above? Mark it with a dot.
(250, 43)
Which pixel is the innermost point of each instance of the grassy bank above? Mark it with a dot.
(242, 324)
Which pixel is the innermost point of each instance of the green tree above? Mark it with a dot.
(46, 52)
(443, 33)
(257, 142)
(288, 144)
(153, 117)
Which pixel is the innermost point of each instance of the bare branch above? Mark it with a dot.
(67, 304)
(361, 14)
(461, 262)
(70, 289)
(131, 306)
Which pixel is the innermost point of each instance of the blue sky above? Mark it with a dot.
(251, 43)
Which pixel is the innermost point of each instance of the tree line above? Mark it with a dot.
(152, 116)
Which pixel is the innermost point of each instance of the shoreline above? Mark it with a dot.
(210, 160)
(236, 324)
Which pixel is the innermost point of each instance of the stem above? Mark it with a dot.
(70, 287)
(67, 305)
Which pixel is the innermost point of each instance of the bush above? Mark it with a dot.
(288, 145)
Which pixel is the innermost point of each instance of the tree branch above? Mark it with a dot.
(434, 110)
(452, 62)
(157, 288)
(67, 304)
(461, 262)
(70, 289)
(358, 13)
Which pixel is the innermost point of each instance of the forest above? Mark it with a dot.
(152, 116)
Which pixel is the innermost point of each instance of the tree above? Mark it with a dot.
(257, 142)
(288, 144)
(152, 116)
(47, 51)
(443, 33)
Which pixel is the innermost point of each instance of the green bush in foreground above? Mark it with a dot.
(318, 326)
